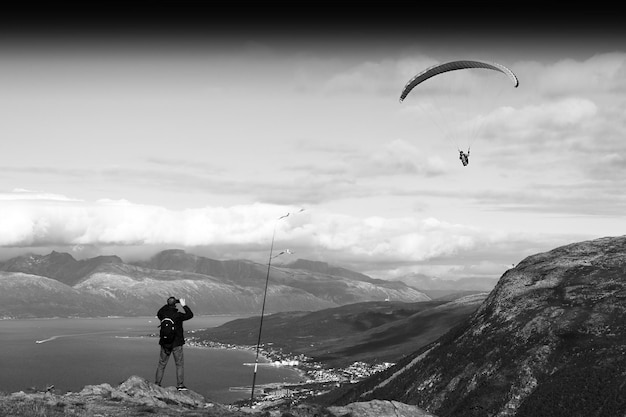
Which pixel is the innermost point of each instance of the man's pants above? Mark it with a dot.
(178, 359)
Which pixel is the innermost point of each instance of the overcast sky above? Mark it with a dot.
(128, 142)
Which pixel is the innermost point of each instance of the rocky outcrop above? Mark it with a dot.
(138, 397)
(137, 390)
(549, 340)
(379, 408)
(133, 397)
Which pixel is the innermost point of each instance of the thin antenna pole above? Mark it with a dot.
(267, 279)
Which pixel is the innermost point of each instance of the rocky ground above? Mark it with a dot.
(137, 397)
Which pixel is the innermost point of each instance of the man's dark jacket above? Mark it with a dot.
(178, 317)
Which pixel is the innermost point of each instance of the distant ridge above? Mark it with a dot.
(211, 286)
(325, 268)
(60, 266)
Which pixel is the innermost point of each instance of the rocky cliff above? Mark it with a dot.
(550, 340)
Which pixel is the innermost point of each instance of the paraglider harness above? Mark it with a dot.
(464, 157)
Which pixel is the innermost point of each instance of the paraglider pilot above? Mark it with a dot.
(464, 157)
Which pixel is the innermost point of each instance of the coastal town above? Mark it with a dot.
(317, 379)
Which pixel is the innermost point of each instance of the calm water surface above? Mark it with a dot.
(72, 353)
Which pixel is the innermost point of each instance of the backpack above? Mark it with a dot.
(168, 331)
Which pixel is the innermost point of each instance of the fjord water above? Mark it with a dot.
(72, 353)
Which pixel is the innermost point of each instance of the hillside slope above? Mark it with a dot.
(28, 296)
(370, 332)
(550, 340)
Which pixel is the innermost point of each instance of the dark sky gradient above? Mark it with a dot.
(512, 23)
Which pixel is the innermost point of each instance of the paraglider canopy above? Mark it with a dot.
(462, 115)
(453, 66)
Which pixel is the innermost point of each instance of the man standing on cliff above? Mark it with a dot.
(172, 339)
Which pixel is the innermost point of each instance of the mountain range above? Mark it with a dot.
(58, 285)
(549, 340)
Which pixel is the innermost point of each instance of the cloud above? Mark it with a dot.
(398, 157)
(338, 174)
(120, 222)
(24, 194)
(243, 230)
(602, 73)
(553, 124)
(609, 170)
(368, 77)
(384, 77)
(399, 239)
(569, 108)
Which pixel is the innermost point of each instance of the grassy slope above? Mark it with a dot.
(370, 332)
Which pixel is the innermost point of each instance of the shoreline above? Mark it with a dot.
(316, 377)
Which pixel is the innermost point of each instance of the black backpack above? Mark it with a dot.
(168, 331)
